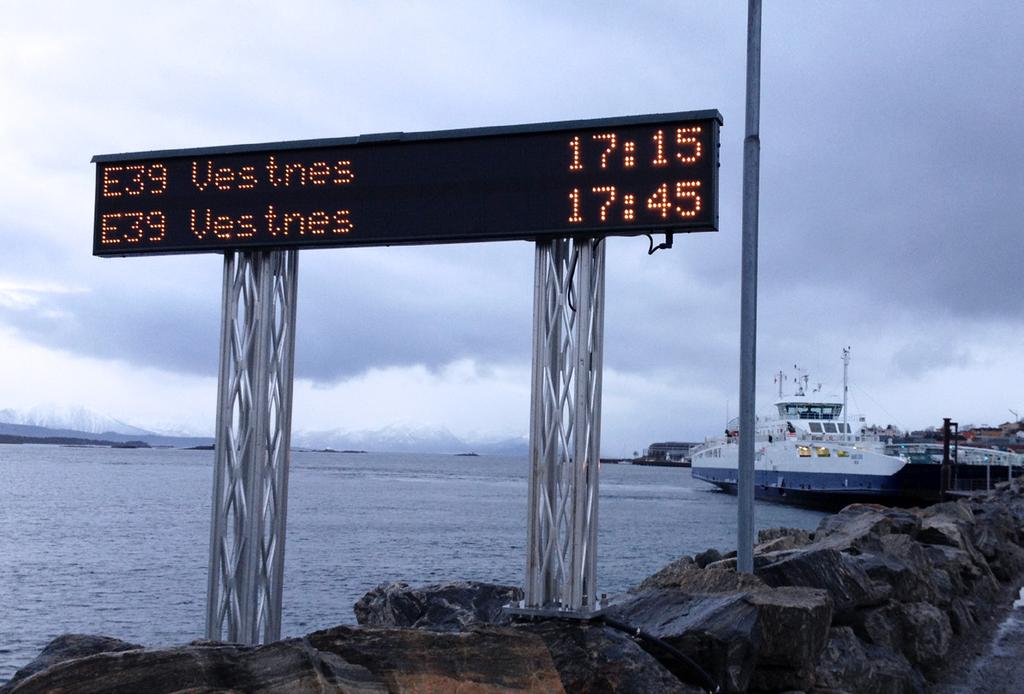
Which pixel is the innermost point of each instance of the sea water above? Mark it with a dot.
(116, 541)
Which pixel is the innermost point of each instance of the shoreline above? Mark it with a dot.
(875, 599)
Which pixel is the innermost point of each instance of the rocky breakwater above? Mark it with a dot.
(874, 600)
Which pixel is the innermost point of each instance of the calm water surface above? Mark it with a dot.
(115, 541)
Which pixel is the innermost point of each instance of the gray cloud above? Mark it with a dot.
(891, 180)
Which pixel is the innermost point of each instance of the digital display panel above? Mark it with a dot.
(616, 176)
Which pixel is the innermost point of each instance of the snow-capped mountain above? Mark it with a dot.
(70, 417)
(402, 437)
(406, 438)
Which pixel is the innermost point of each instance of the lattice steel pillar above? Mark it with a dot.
(254, 411)
(565, 426)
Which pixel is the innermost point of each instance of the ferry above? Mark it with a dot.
(808, 451)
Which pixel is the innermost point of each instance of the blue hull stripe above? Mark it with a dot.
(817, 482)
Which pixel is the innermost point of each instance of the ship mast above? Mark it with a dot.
(846, 367)
(779, 378)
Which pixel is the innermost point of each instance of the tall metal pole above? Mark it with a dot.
(748, 292)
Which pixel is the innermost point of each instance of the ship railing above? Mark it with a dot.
(968, 455)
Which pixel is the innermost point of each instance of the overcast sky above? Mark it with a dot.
(891, 209)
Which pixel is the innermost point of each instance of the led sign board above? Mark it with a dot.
(617, 176)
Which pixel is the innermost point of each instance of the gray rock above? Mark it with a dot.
(285, 667)
(843, 663)
(796, 535)
(441, 607)
(859, 527)
(707, 557)
(995, 528)
(849, 665)
(69, 647)
(691, 579)
(904, 565)
(483, 659)
(951, 524)
(725, 564)
(591, 658)
(890, 672)
(720, 632)
(926, 635)
(961, 616)
(1007, 563)
(880, 626)
(781, 544)
(793, 626)
(846, 582)
(920, 631)
(668, 575)
(769, 679)
(965, 574)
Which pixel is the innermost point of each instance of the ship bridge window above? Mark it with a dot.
(815, 427)
(801, 410)
(830, 427)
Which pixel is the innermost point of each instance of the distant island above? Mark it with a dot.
(55, 440)
(467, 455)
(130, 444)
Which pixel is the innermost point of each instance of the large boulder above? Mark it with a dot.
(708, 556)
(284, 667)
(668, 575)
(720, 632)
(780, 540)
(1008, 564)
(859, 527)
(926, 634)
(591, 658)
(996, 527)
(483, 659)
(961, 613)
(848, 585)
(849, 665)
(951, 524)
(966, 576)
(919, 630)
(796, 535)
(69, 647)
(690, 578)
(904, 565)
(793, 626)
(441, 607)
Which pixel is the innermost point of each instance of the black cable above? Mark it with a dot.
(667, 244)
(690, 666)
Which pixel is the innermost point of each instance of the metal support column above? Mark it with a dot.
(748, 295)
(254, 411)
(565, 426)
